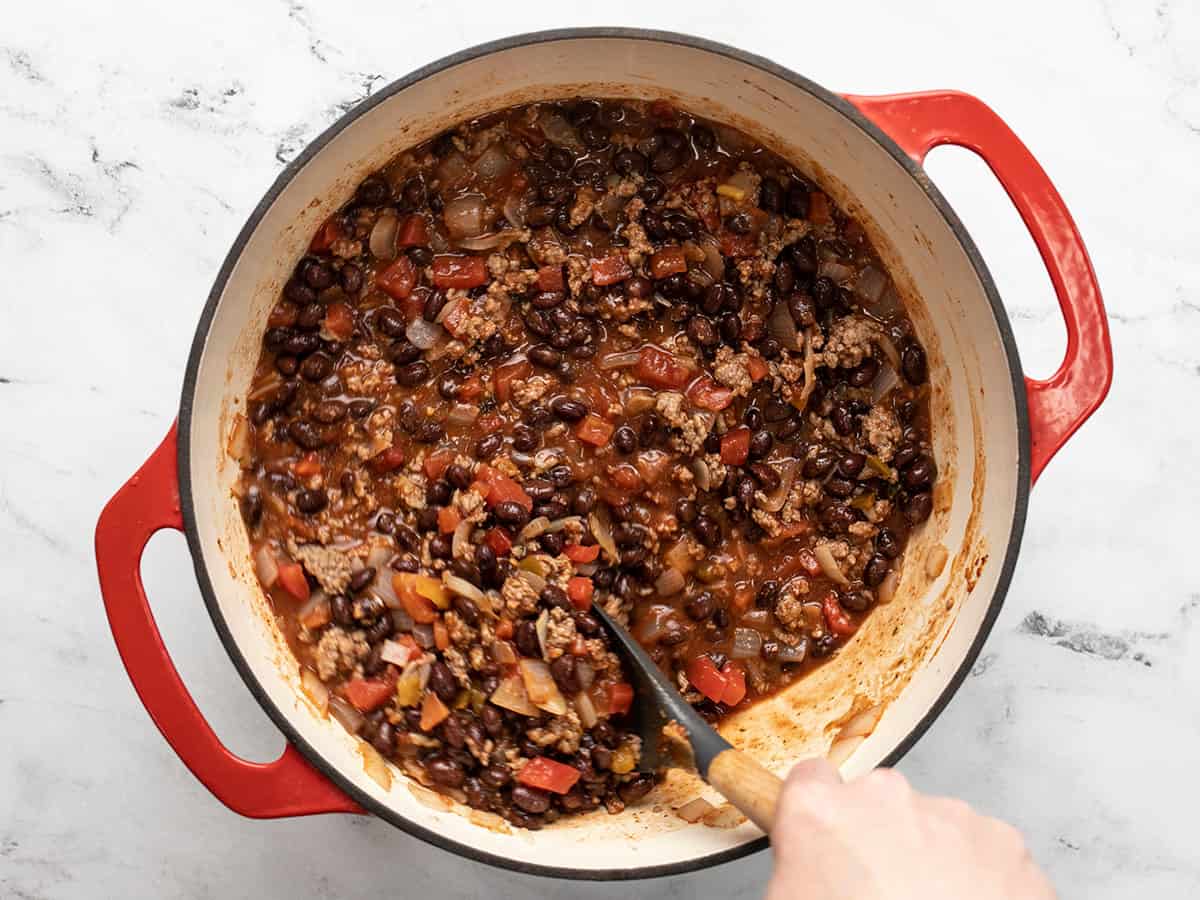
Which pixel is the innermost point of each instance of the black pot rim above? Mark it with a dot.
(186, 410)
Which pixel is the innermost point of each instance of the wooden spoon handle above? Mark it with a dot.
(747, 785)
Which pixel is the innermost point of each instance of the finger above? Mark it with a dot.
(813, 771)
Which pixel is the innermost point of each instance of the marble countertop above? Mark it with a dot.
(136, 137)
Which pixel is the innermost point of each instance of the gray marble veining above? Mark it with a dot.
(136, 137)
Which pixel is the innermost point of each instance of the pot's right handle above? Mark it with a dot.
(148, 502)
(1061, 403)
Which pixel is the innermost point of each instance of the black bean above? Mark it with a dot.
(803, 253)
(686, 511)
(633, 791)
(838, 517)
(568, 409)
(798, 201)
(497, 775)
(918, 508)
(442, 681)
(434, 304)
(525, 439)
(414, 374)
(919, 473)
(564, 673)
(316, 273)
(540, 215)
(702, 332)
(317, 367)
(459, 476)
(352, 278)
(489, 445)
(708, 530)
(839, 487)
(560, 158)
(374, 191)
(766, 475)
(664, 160)
(299, 292)
(444, 771)
(851, 464)
(584, 502)
(287, 365)
(876, 570)
(530, 799)
(542, 355)
(402, 352)
(761, 443)
(510, 513)
(864, 374)
(887, 543)
(453, 732)
(312, 501)
(770, 195)
(769, 650)
(306, 435)
(437, 493)
(731, 327)
(301, 344)
(421, 256)
(739, 223)
(552, 509)
(526, 639)
(857, 601)
(629, 162)
(913, 363)
(587, 624)
(843, 422)
(745, 492)
(561, 476)
(594, 136)
(380, 631)
(310, 317)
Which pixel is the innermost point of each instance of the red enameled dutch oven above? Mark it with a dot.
(994, 431)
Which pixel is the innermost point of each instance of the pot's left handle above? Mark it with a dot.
(149, 501)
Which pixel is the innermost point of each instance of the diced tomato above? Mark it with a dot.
(660, 369)
(367, 694)
(448, 519)
(550, 278)
(666, 262)
(704, 677)
(309, 464)
(738, 245)
(578, 553)
(504, 629)
(418, 606)
(413, 232)
(398, 279)
(620, 698)
(579, 592)
(504, 376)
(626, 477)
(438, 462)
(441, 635)
(456, 316)
(388, 460)
(610, 270)
(757, 367)
(706, 393)
(579, 646)
(501, 488)
(329, 232)
(809, 563)
(835, 617)
(339, 321)
(459, 271)
(499, 541)
(291, 576)
(471, 389)
(595, 430)
(735, 446)
(548, 775)
(433, 712)
(735, 684)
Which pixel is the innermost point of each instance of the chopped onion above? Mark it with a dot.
(533, 579)
(862, 724)
(787, 476)
(703, 476)
(540, 686)
(462, 414)
(586, 709)
(639, 400)
(422, 334)
(535, 528)
(494, 241)
(542, 626)
(793, 653)
(561, 524)
(316, 690)
(810, 372)
(272, 381)
(464, 216)
(374, 766)
(493, 163)
(265, 566)
(669, 583)
(888, 346)
(747, 642)
(694, 810)
(511, 695)
(430, 798)
(462, 534)
(757, 617)
(383, 588)
(423, 635)
(383, 235)
(598, 521)
(870, 284)
(884, 382)
(782, 327)
(401, 620)
(834, 270)
(515, 208)
(350, 718)
(453, 170)
(679, 555)
(463, 588)
(829, 565)
(558, 130)
(315, 611)
(503, 653)
(609, 208)
(395, 653)
(620, 360)
(584, 673)
(239, 442)
(886, 592)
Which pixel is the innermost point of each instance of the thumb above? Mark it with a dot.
(817, 770)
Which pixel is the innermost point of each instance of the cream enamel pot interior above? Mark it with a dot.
(993, 432)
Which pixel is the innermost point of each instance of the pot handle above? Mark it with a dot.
(149, 501)
(1061, 403)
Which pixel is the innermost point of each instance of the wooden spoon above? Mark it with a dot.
(747, 785)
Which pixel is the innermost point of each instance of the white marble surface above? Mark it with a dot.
(136, 137)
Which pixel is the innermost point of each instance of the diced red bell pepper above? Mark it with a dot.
(666, 262)
(610, 270)
(499, 541)
(550, 278)
(413, 232)
(504, 376)
(757, 366)
(291, 576)
(505, 628)
(580, 554)
(438, 462)
(703, 675)
(459, 271)
(835, 617)
(579, 592)
(441, 635)
(418, 606)
(548, 775)
(735, 684)
(339, 321)
(388, 460)
(706, 393)
(735, 446)
(398, 279)
(620, 698)
(433, 712)
(660, 369)
(367, 694)
(448, 519)
(595, 430)
(501, 488)
(329, 232)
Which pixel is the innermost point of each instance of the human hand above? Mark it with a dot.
(878, 839)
